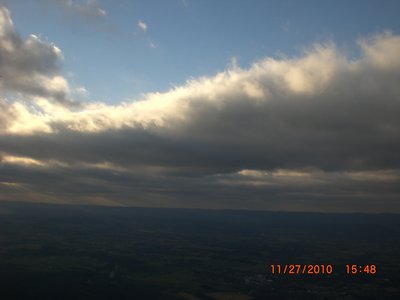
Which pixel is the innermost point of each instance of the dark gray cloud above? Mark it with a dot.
(29, 67)
(313, 191)
(5, 115)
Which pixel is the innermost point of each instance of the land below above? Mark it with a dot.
(90, 252)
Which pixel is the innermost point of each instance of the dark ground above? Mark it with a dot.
(88, 252)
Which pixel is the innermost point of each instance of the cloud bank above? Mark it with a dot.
(317, 132)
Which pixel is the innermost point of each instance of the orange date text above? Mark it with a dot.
(296, 269)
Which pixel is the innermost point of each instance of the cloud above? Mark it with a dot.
(80, 92)
(321, 110)
(277, 190)
(314, 132)
(142, 25)
(29, 67)
(88, 8)
(6, 115)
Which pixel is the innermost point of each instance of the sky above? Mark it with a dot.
(261, 105)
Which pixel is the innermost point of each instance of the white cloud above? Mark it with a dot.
(142, 25)
(9, 159)
(381, 50)
(81, 91)
(272, 87)
(314, 111)
(88, 8)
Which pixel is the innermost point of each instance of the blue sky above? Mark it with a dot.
(111, 56)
